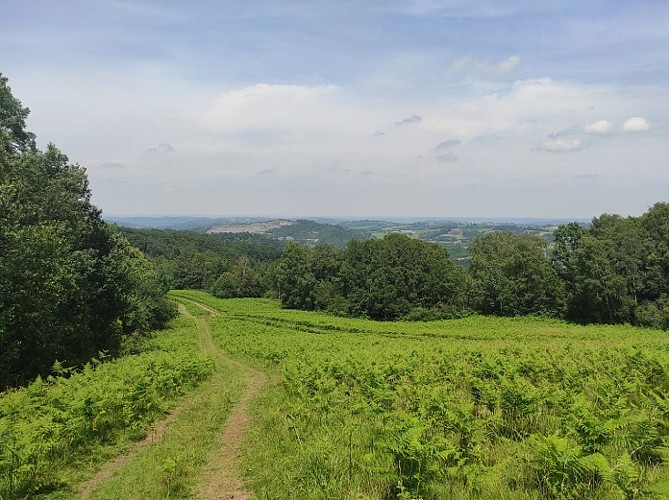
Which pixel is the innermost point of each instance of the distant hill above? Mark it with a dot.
(452, 234)
(182, 223)
(306, 232)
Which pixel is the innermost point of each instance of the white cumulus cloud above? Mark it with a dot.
(277, 107)
(600, 127)
(636, 124)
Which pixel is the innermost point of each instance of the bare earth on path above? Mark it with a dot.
(222, 479)
(156, 435)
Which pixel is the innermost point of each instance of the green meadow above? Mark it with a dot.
(471, 408)
(480, 407)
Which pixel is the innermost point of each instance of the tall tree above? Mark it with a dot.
(67, 280)
(295, 279)
(387, 278)
(513, 276)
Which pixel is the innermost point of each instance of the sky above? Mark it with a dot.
(403, 108)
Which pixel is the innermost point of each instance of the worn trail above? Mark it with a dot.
(221, 478)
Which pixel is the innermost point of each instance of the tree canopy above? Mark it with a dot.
(614, 271)
(70, 285)
(380, 279)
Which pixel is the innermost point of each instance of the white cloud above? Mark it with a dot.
(508, 65)
(600, 127)
(287, 113)
(302, 127)
(562, 145)
(636, 124)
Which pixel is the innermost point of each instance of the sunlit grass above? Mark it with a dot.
(480, 407)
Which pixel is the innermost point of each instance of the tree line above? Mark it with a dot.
(226, 265)
(614, 271)
(70, 284)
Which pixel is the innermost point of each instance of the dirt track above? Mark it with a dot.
(221, 479)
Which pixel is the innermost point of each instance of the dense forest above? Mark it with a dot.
(70, 284)
(226, 265)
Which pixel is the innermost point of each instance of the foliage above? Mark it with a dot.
(616, 271)
(380, 279)
(312, 233)
(513, 276)
(479, 407)
(226, 265)
(69, 284)
(174, 465)
(56, 422)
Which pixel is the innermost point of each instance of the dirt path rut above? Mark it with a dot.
(222, 479)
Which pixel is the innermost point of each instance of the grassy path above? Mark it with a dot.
(195, 450)
(223, 479)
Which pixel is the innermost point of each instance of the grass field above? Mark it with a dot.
(479, 407)
(474, 408)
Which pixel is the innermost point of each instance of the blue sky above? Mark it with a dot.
(393, 108)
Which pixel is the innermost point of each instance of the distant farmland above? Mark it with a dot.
(252, 227)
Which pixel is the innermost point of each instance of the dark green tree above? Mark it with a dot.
(69, 284)
(513, 276)
(387, 278)
(295, 279)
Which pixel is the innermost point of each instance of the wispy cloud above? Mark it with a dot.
(600, 127)
(562, 145)
(410, 120)
(444, 150)
(476, 66)
(447, 156)
(585, 177)
(163, 147)
(455, 90)
(445, 145)
(112, 165)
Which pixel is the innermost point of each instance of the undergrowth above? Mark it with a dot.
(58, 429)
(473, 408)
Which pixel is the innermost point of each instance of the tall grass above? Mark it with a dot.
(470, 408)
(57, 430)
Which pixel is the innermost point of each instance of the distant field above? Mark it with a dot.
(251, 227)
(479, 407)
